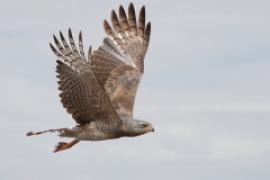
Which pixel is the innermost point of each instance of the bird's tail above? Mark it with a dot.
(60, 130)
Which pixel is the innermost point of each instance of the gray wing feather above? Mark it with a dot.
(119, 62)
(141, 24)
(81, 93)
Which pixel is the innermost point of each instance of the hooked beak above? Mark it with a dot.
(153, 130)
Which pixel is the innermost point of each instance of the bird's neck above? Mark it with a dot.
(127, 127)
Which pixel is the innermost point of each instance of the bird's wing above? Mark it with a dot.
(119, 62)
(81, 93)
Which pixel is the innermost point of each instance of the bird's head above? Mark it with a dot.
(139, 127)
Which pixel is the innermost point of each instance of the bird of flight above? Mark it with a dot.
(99, 89)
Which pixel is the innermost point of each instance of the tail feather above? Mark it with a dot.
(60, 130)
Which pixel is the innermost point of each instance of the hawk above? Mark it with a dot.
(99, 89)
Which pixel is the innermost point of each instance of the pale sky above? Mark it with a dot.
(205, 89)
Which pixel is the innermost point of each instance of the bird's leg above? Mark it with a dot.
(63, 145)
(46, 131)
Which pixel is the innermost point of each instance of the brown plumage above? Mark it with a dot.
(99, 91)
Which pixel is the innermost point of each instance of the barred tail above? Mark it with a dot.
(60, 130)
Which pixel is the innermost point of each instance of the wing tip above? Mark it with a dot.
(107, 27)
(80, 36)
(61, 36)
(113, 14)
(55, 39)
(51, 46)
(70, 33)
(148, 27)
(147, 32)
(142, 11)
(131, 5)
(121, 8)
(131, 10)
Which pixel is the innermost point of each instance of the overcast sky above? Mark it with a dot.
(205, 89)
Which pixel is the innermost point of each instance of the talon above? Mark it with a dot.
(29, 133)
(61, 146)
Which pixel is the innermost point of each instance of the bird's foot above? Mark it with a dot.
(63, 145)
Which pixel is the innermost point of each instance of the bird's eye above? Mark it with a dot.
(143, 125)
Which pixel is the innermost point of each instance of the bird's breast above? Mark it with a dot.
(97, 132)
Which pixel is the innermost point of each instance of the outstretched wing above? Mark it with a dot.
(119, 63)
(81, 93)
